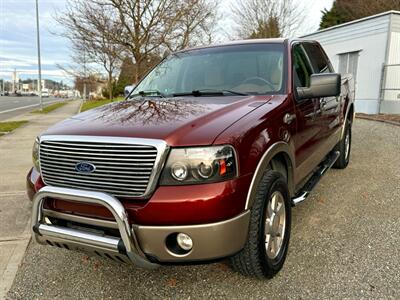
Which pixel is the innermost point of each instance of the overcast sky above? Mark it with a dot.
(18, 35)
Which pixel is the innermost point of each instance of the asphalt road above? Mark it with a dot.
(11, 106)
(345, 243)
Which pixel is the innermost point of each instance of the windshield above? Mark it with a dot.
(241, 69)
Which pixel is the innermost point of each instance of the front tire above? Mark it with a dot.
(269, 230)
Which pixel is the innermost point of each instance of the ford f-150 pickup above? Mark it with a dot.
(203, 160)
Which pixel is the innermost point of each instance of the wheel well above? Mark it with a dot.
(350, 115)
(280, 163)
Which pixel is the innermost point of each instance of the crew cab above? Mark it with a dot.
(203, 160)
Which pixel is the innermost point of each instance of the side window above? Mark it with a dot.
(301, 67)
(319, 61)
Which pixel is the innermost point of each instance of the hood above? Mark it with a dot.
(179, 122)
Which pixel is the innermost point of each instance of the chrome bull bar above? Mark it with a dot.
(127, 244)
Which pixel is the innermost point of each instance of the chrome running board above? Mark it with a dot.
(305, 191)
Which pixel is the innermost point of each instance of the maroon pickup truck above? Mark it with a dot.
(203, 160)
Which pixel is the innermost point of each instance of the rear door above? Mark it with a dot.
(308, 117)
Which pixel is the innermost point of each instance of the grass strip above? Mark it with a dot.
(50, 108)
(6, 127)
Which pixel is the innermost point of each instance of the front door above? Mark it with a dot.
(330, 106)
(308, 116)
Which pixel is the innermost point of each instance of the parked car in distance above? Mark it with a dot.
(45, 94)
(204, 160)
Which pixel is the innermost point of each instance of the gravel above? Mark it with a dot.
(345, 244)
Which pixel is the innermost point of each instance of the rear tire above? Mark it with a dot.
(269, 230)
(344, 147)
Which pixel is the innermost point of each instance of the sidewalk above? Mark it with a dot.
(15, 161)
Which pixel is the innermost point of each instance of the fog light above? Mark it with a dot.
(184, 241)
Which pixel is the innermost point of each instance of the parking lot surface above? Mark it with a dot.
(345, 243)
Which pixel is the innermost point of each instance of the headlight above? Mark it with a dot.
(199, 165)
(35, 154)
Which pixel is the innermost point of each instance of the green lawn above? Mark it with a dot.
(95, 103)
(6, 127)
(49, 108)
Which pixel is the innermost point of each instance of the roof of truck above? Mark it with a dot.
(240, 42)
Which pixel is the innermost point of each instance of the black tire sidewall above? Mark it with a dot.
(348, 130)
(277, 184)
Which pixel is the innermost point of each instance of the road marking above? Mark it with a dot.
(32, 105)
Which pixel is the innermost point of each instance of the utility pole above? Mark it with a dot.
(14, 79)
(38, 50)
(84, 76)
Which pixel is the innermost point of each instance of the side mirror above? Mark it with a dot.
(321, 85)
(128, 89)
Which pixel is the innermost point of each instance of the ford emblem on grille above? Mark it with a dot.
(85, 167)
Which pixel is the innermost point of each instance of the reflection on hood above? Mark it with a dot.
(149, 110)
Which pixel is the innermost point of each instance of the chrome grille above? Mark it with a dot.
(122, 169)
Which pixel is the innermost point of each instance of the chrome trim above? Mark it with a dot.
(265, 159)
(315, 178)
(160, 145)
(300, 198)
(80, 219)
(91, 241)
(73, 235)
(289, 118)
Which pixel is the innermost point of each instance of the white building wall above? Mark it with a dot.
(391, 93)
(370, 38)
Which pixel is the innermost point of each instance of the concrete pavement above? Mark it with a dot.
(11, 106)
(15, 161)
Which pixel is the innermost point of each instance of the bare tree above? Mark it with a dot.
(82, 70)
(148, 27)
(267, 18)
(91, 28)
(107, 30)
(195, 26)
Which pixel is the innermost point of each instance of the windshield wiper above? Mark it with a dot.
(148, 93)
(208, 92)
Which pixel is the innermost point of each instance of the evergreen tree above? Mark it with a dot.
(126, 76)
(267, 29)
(344, 11)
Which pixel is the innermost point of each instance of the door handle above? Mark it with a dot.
(288, 118)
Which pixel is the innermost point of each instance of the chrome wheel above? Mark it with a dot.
(347, 144)
(275, 224)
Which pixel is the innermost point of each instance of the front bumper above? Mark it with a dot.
(143, 246)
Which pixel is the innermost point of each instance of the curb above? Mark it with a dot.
(15, 260)
(378, 120)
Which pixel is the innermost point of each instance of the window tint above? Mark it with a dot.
(318, 59)
(301, 67)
